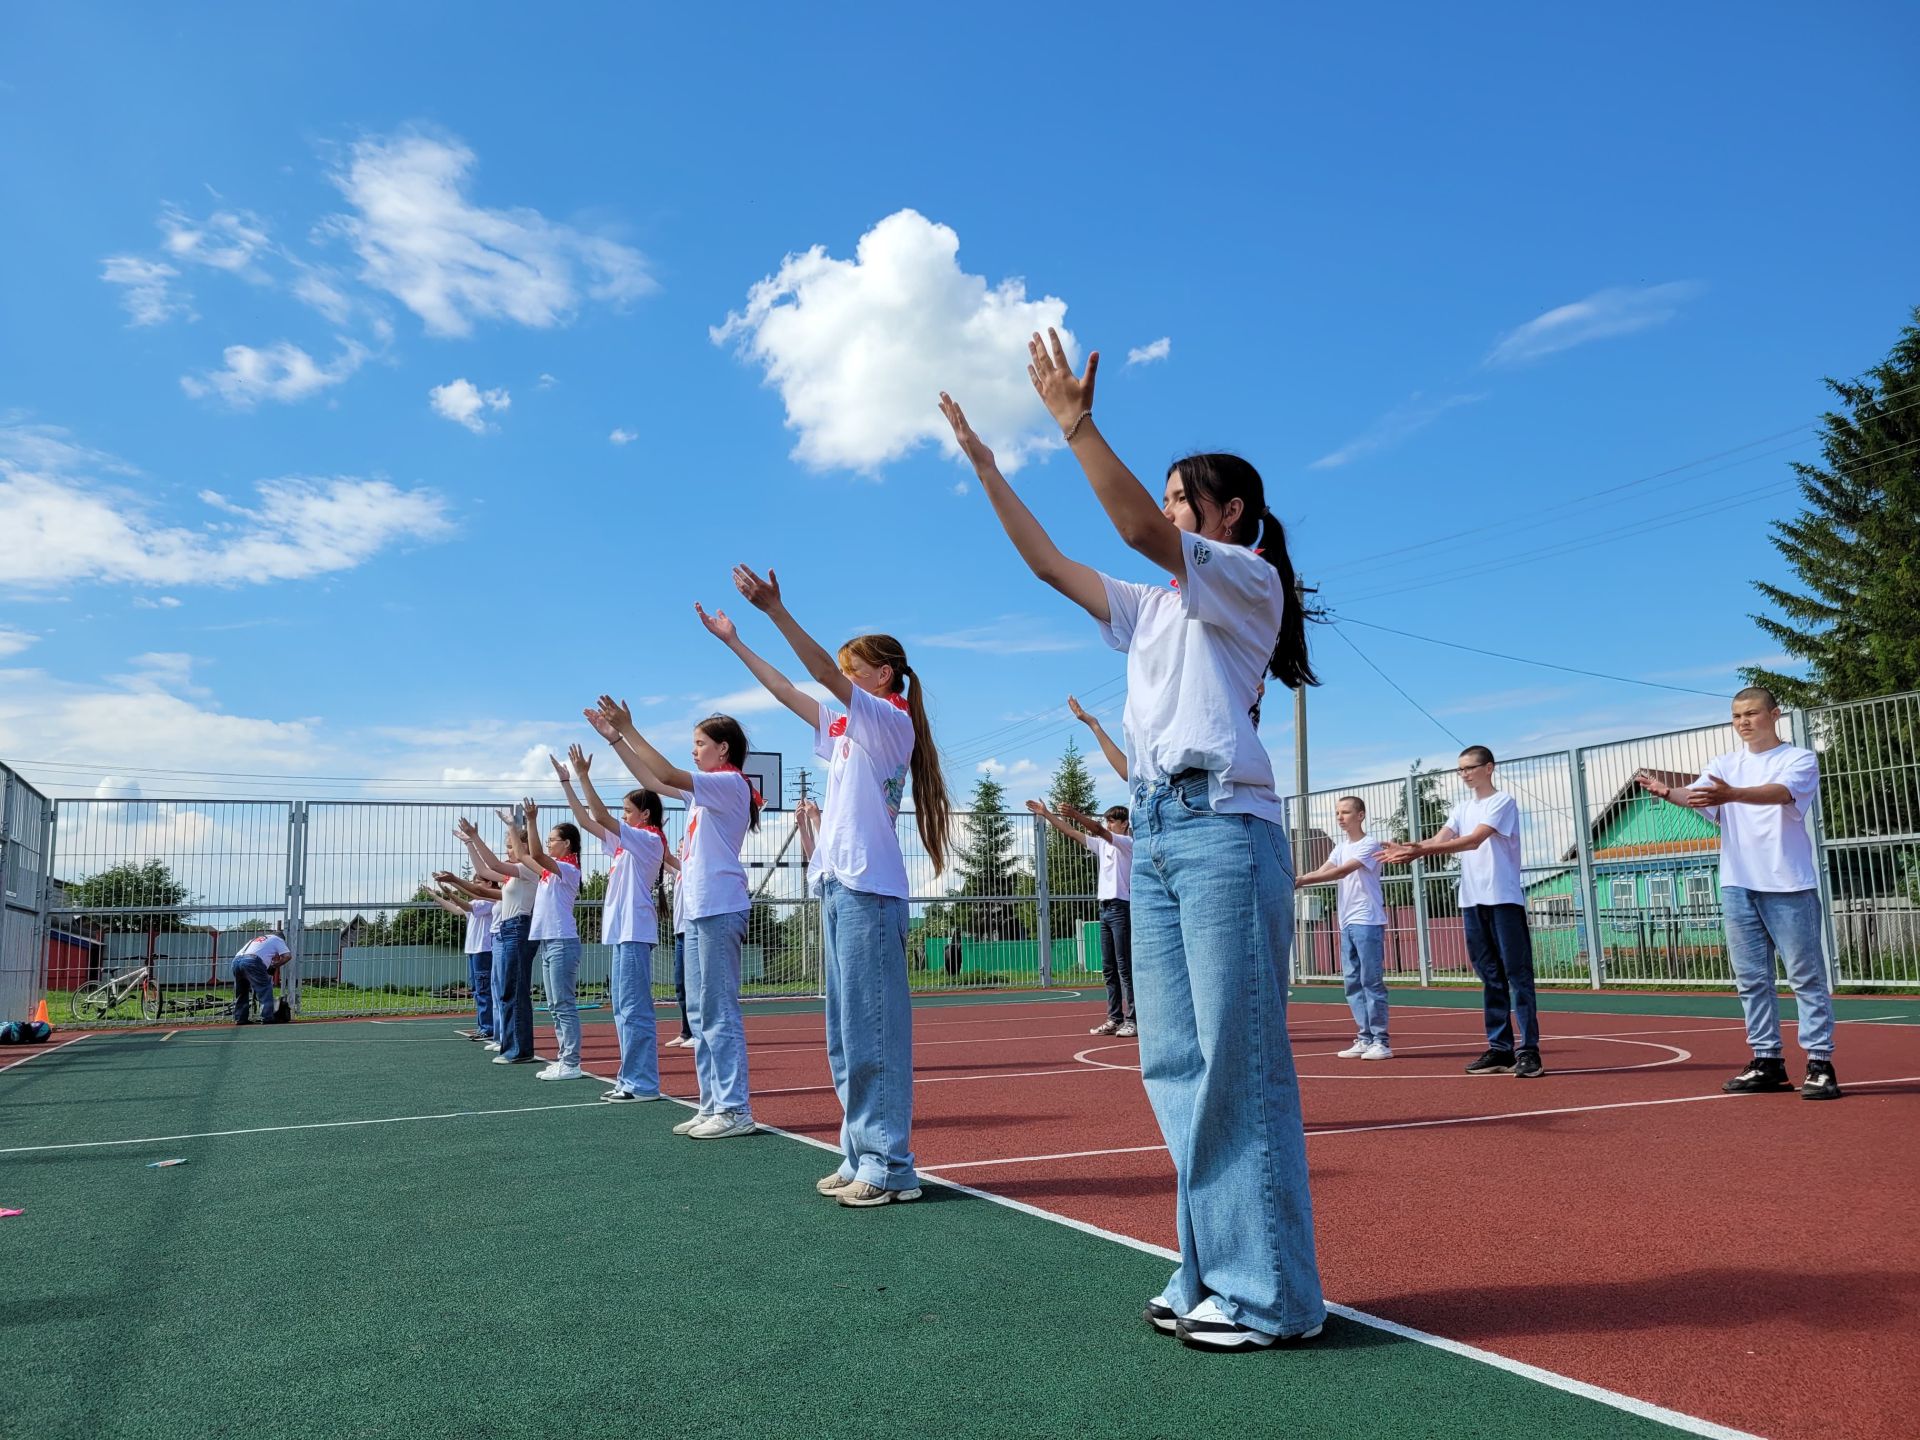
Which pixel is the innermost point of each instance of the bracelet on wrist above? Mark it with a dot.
(1085, 415)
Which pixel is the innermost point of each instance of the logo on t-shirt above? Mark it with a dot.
(1201, 554)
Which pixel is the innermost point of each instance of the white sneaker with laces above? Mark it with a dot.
(1379, 1050)
(724, 1126)
(692, 1122)
(494, 1046)
(1207, 1327)
(557, 1071)
(1354, 1051)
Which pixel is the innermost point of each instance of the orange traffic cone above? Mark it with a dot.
(41, 1013)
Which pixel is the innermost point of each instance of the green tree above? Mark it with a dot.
(425, 924)
(1071, 868)
(1432, 803)
(589, 907)
(987, 866)
(148, 892)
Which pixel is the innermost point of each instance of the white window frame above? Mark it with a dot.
(1614, 902)
(1656, 884)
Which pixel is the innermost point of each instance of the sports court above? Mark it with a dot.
(376, 1233)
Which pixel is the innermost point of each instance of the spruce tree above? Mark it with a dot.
(987, 865)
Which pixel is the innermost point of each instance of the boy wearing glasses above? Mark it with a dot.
(1484, 831)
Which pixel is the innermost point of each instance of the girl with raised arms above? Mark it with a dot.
(512, 949)
(1212, 879)
(555, 868)
(635, 847)
(871, 741)
(721, 806)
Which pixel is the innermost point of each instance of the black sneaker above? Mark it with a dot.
(1822, 1083)
(1527, 1066)
(1762, 1076)
(1161, 1316)
(1494, 1062)
(243, 1022)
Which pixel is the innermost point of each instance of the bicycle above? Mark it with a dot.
(101, 998)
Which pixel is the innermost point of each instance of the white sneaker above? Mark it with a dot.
(494, 1046)
(1379, 1050)
(724, 1126)
(692, 1122)
(680, 1042)
(557, 1071)
(1207, 1327)
(1354, 1051)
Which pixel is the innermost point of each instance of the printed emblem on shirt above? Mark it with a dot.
(1201, 554)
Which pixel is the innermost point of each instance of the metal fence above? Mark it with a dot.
(1621, 889)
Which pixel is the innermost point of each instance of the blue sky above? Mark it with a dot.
(362, 411)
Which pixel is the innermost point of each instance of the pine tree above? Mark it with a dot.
(1433, 808)
(1856, 545)
(1071, 868)
(987, 865)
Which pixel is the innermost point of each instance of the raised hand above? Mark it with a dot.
(463, 828)
(616, 713)
(718, 625)
(971, 445)
(1652, 786)
(560, 770)
(1078, 713)
(506, 817)
(807, 813)
(761, 594)
(582, 762)
(533, 814)
(1073, 812)
(1038, 807)
(602, 726)
(444, 877)
(1067, 396)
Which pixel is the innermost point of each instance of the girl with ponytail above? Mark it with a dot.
(1212, 877)
(872, 743)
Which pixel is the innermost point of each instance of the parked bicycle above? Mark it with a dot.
(117, 996)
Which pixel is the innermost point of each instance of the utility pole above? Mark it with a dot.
(1301, 860)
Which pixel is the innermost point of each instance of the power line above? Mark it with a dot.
(1517, 659)
(1396, 685)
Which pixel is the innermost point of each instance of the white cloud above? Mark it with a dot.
(547, 382)
(451, 262)
(226, 240)
(315, 288)
(464, 403)
(1147, 354)
(960, 487)
(282, 371)
(623, 437)
(1020, 773)
(147, 291)
(13, 641)
(59, 524)
(1009, 635)
(115, 787)
(860, 349)
(163, 602)
(1396, 425)
(171, 671)
(1605, 313)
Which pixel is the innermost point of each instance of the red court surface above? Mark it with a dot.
(1751, 1260)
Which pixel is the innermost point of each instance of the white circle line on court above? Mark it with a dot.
(1674, 1056)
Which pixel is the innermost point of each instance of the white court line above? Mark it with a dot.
(38, 1053)
(168, 1036)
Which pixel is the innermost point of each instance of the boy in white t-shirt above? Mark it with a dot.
(474, 904)
(1112, 847)
(259, 960)
(1355, 864)
(1484, 831)
(1760, 796)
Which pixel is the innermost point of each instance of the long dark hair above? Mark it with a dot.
(931, 807)
(655, 814)
(725, 732)
(1215, 478)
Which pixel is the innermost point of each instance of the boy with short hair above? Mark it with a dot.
(1760, 796)
(1112, 845)
(1484, 831)
(259, 960)
(1355, 864)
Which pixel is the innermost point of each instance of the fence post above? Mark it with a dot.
(296, 915)
(1589, 884)
(1420, 935)
(1045, 906)
(1800, 728)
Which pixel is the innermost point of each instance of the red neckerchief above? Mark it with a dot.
(546, 875)
(619, 850)
(839, 725)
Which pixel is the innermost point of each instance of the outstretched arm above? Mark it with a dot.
(649, 766)
(1443, 842)
(486, 864)
(582, 816)
(806, 820)
(778, 686)
(764, 595)
(1079, 583)
(1087, 823)
(1116, 757)
(603, 824)
(1328, 873)
(479, 890)
(452, 904)
(1039, 807)
(1132, 509)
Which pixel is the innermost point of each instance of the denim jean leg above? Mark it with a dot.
(1123, 950)
(1212, 915)
(513, 974)
(480, 981)
(680, 983)
(834, 988)
(1750, 951)
(560, 977)
(1363, 966)
(1110, 967)
(1354, 983)
(689, 943)
(876, 1037)
(1483, 951)
(1515, 942)
(633, 1021)
(722, 1030)
(1793, 919)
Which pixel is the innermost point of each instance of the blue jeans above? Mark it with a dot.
(680, 982)
(252, 981)
(1116, 958)
(559, 970)
(1363, 962)
(513, 983)
(631, 990)
(1212, 927)
(1502, 955)
(713, 997)
(870, 1033)
(480, 980)
(1759, 922)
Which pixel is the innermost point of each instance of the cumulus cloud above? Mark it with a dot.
(146, 289)
(452, 262)
(60, 523)
(623, 437)
(1603, 314)
(465, 403)
(161, 602)
(1418, 412)
(226, 240)
(1147, 354)
(281, 372)
(1020, 772)
(859, 349)
(13, 641)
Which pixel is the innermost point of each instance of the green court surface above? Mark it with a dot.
(454, 1251)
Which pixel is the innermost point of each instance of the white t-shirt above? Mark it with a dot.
(1490, 874)
(553, 902)
(1116, 866)
(679, 907)
(479, 926)
(516, 895)
(1766, 847)
(711, 875)
(866, 750)
(267, 948)
(1195, 660)
(628, 914)
(1360, 899)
